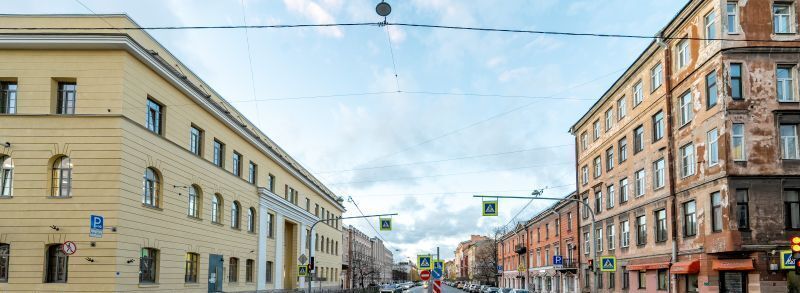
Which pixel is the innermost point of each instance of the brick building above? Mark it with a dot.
(690, 159)
(465, 257)
(527, 253)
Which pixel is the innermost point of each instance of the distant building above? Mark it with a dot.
(366, 260)
(465, 257)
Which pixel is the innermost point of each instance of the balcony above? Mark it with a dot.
(568, 264)
(520, 249)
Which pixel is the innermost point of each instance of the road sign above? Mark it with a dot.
(490, 208)
(425, 275)
(302, 259)
(69, 248)
(436, 274)
(424, 262)
(787, 261)
(608, 264)
(499, 269)
(558, 261)
(521, 268)
(96, 226)
(437, 286)
(386, 224)
(438, 269)
(302, 271)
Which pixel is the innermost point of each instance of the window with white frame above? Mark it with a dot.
(585, 175)
(641, 230)
(596, 129)
(638, 94)
(789, 148)
(713, 147)
(625, 233)
(710, 22)
(586, 248)
(6, 176)
(656, 77)
(598, 240)
(598, 202)
(611, 235)
(683, 53)
(8, 97)
(622, 108)
(661, 225)
(610, 158)
(687, 160)
(686, 108)
(584, 141)
(737, 142)
(638, 139)
(610, 196)
(732, 11)
(598, 167)
(782, 22)
(785, 83)
(658, 174)
(623, 149)
(623, 190)
(640, 182)
(711, 89)
(658, 126)
(609, 118)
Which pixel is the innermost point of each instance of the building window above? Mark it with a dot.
(596, 130)
(686, 108)
(733, 17)
(743, 209)
(716, 212)
(598, 240)
(196, 140)
(251, 220)
(737, 141)
(662, 279)
(219, 153)
(736, 81)
(584, 141)
(661, 225)
(658, 174)
(623, 150)
(785, 84)
(689, 218)
(623, 190)
(192, 265)
(655, 77)
(152, 188)
(611, 234)
(683, 54)
(638, 139)
(271, 226)
(4, 253)
(691, 283)
(194, 201)
(622, 108)
(237, 164)
(610, 196)
(610, 158)
(6, 176)
(625, 278)
(658, 126)
(585, 206)
(233, 270)
(235, 218)
(569, 221)
(598, 201)
(713, 147)
(271, 183)
(710, 21)
(585, 175)
(609, 119)
(558, 228)
(711, 89)
(308, 204)
(57, 265)
(625, 233)
(154, 116)
(782, 18)
(216, 208)
(640, 182)
(638, 94)
(148, 266)
(598, 168)
(586, 248)
(641, 230)
(789, 142)
(8, 97)
(252, 173)
(599, 281)
(642, 280)
(65, 99)
(792, 209)
(687, 160)
(268, 272)
(62, 177)
(249, 270)
(611, 280)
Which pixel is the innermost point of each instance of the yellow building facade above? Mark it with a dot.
(106, 122)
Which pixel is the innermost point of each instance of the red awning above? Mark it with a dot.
(686, 267)
(648, 266)
(733, 265)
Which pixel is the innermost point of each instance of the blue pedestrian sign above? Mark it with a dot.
(558, 260)
(489, 208)
(96, 226)
(438, 269)
(424, 262)
(608, 264)
(787, 261)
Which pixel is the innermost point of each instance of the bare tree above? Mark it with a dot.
(485, 263)
(364, 269)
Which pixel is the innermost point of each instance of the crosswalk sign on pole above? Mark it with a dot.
(787, 261)
(424, 262)
(302, 271)
(386, 224)
(489, 208)
(608, 264)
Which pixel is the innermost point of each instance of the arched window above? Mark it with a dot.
(62, 177)
(6, 175)
(251, 220)
(56, 265)
(216, 208)
(152, 188)
(235, 218)
(195, 201)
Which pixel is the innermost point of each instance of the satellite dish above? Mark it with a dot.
(383, 9)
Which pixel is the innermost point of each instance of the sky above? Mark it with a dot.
(470, 117)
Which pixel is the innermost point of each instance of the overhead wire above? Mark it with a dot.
(250, 60)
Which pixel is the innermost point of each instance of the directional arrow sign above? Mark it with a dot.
(490, 208)
(608, 264)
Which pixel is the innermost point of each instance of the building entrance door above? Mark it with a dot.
(215, 273)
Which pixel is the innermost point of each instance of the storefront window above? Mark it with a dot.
(691, 284)
(733, 282)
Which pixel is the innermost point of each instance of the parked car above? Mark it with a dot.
(391, 288)
(506, 290)
(520, 291)
(491, 290)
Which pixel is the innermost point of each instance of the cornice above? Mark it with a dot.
(283, 207)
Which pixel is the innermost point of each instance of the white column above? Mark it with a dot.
(303, 249)
(263, 224)
(279, 242)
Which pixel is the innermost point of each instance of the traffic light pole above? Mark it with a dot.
(308, 238)
(591, 212)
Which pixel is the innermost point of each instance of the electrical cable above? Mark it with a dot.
(449, 174)
(250, 60)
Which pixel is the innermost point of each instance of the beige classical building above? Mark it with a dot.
(194, 196)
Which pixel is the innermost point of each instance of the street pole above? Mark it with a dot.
(310, 275)
(591, 212)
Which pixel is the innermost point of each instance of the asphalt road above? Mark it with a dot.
(445, 289)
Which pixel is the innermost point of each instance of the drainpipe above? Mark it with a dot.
(670, 148)
(558, 215)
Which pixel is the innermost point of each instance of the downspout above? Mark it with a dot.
(670, 150)
(578, 210)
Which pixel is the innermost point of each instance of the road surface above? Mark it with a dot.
(445, 289)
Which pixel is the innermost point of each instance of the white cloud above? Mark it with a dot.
(316, 13)
(495, 61)
(396, 34)
(513, 74)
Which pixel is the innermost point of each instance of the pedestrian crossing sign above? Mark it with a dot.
(386, 224)
(490, 208)
(608, 264)
(787, 261)
(424, 262)
(302, 271)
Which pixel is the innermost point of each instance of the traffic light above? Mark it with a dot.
(591, 265)
(311, 264)
(795, 244)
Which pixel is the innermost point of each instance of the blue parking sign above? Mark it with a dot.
(558, 260)
(96, 225)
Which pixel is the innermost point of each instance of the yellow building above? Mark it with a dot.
(193, 196)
